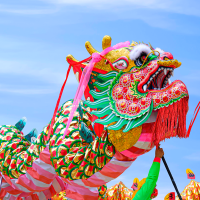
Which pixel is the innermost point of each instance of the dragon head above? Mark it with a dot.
(130, 86)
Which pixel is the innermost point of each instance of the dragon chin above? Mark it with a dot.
(169, 95)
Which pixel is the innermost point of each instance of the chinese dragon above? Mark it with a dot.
(131, 105)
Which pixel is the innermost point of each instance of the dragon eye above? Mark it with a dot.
(143, 58)
(140, 60)
(165, 58)
(121, 63)
(139, 53)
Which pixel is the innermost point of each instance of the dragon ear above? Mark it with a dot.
(21, 123)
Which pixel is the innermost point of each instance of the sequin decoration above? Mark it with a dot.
(70, 158)
(123, 141)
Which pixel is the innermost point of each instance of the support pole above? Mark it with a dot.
(171, 177)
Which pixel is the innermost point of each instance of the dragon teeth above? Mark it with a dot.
(172, 73)
(165, 71)
(145, 87)
(169, 81)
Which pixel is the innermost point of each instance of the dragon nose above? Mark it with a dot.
(168, 63)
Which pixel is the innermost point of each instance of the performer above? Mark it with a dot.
(147, 189)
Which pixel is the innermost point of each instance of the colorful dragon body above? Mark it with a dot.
(130, 107)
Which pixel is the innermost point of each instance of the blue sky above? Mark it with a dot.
(36, 36)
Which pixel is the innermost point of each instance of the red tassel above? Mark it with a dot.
(50, 132)
(193, 119)
(171, 121)
(57, 104)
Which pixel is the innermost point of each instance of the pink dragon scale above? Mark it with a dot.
(131, 106)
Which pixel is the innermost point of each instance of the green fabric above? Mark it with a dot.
(147, 189)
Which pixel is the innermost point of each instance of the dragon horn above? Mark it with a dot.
(106, 42)
(21, 123)
(70, 57)
(133, 43)
(150, 45)
(90, 48)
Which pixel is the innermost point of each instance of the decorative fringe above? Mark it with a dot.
(171, 121)
(50, 132)
(193, 119)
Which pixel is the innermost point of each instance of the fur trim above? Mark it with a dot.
(138, 49)
(159, 50)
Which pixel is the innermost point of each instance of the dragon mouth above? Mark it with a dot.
(159, 79)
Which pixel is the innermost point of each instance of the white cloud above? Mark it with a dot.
(152, 12)
(26, 91)
(29, 11)
(26, 69)
(193, 157)
(175, 6)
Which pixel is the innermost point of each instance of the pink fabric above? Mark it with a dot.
(29, 184)
(42, 171)
(145, 137)
(78, 193)
(121, 45)
(96, 57)
(12, 198)
(47, 193)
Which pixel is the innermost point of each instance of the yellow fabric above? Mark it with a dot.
(191, 191)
